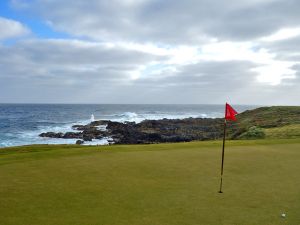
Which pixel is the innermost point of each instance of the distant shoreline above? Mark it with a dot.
(251, 124)
(21, 124)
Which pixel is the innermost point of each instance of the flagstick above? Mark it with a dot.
(223, 157)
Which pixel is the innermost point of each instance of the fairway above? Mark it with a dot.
(159, 184)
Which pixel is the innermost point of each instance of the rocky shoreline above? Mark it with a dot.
(145, 132)
(249, 125)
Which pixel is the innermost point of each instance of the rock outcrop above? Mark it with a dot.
(148, 131)
(183, 130)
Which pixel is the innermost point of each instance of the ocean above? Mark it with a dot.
(20, 124)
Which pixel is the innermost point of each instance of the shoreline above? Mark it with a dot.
(145, 132)
(265, 122)
(250, 124)
(21, 124)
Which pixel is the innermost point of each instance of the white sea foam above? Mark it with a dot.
(92, 118)
(127, 116)
(103, 141)
(135, 117)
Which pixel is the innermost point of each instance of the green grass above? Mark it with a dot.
(273, 116)
(288, 131)
(158, 184)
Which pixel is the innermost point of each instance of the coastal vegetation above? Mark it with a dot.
(287, 131)
(156, 184)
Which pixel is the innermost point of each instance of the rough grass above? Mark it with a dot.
(151, 184)
(274, 116)
(289, 131)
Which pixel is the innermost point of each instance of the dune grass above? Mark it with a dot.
(288, 131)
(157, 184)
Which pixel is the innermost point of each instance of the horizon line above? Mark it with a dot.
(55, 103)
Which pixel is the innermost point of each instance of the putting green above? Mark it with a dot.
(157, 184)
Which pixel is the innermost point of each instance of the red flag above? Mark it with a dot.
(230, 112)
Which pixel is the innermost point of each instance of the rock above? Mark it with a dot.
(99, 122)
(98, 137)
(87, 137)
(51, 135)
(79, 142)
(78, 127)
(148, 131)
(72, 135)
(93, 132)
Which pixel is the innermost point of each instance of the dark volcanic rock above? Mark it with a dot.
(72, 135)
(87, 137)
(79, 127)
(79, 142)
(166, 130)
(51, 135)
(99, 122)
(148, 131)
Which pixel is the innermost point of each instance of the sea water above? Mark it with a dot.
(20, 124)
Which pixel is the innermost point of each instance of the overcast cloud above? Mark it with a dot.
(151, 51)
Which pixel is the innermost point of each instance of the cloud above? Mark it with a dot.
(287, 49)
(169, 21)
(209, 82)
(81, 71)
(36, 67)
(282, 34)
(152, 51)
(185, 31)
(11, 29)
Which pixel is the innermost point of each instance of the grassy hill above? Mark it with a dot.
(274, 116)
(267, 122)
(287, 131)
(157, 184)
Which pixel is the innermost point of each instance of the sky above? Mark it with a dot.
(150, 51)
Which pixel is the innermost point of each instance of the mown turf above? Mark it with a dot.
(151, 184)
